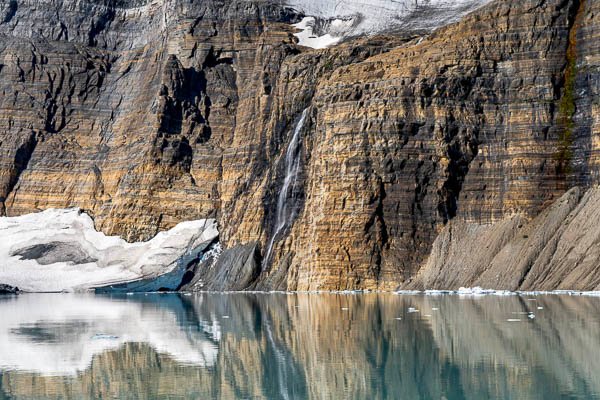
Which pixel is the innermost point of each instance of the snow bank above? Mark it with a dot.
(329, 21)
(58, 335)
(60, 250)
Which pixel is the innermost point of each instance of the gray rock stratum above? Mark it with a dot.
(346, 165)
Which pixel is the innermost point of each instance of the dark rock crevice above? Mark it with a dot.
(21, 161)
(10, 12)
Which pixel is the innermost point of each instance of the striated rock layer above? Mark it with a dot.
(149, 113)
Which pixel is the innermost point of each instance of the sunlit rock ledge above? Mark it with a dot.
(60, 250)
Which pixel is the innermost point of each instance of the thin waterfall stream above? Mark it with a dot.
(292, 168)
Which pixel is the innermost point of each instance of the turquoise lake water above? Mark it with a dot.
(299, 346)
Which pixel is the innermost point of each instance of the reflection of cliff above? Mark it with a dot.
(557, 352)
(351, 347)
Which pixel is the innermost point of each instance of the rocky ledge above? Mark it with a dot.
(6, 289)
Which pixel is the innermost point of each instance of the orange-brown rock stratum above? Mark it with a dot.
(339, 168)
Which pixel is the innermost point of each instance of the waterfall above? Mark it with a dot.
(292, 168)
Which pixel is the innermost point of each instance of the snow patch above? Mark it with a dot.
(307, 37)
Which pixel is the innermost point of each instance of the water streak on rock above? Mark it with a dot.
(292, 168)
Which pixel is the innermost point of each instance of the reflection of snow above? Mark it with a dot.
(59, 334)
(346, 18)
(60, 250)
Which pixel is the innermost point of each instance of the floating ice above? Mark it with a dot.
(60, 250)
(438, 292)
(407, 292)
(560, 292)
(477, 291)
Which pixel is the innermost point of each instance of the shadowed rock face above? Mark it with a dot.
(150, 113)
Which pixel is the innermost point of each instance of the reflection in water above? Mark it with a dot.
(60, 334)
(257, 346)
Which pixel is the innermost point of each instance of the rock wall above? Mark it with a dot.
(125, 108)
(148, 113)
(481, 120)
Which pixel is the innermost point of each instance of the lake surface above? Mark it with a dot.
(299, 346)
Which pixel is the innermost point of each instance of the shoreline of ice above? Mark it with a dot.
(61, 251)
(478, 291)
(464, 292)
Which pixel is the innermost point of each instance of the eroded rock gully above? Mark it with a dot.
(148, 113)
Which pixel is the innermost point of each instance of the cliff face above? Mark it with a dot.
(125, 108)
(328, 169)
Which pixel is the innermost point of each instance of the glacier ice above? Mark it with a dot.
(329, 21)
(60, 250)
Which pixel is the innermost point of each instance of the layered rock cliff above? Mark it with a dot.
(326, 169)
